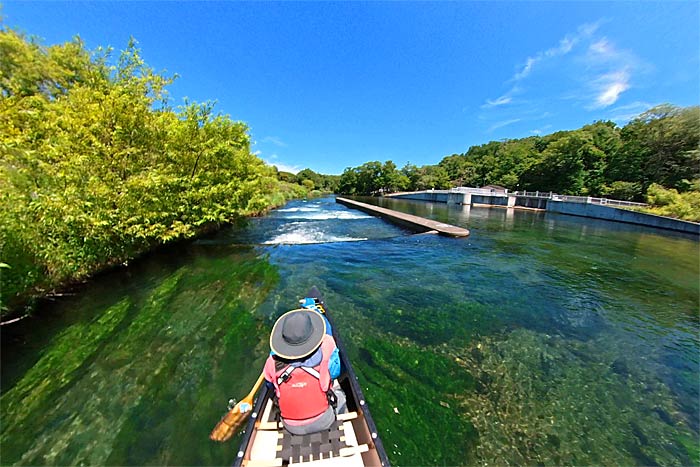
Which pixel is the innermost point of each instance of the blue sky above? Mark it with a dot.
(333, 85)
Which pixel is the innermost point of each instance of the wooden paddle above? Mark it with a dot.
(234, 418)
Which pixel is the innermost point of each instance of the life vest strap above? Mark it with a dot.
(285, 375)
(282, 378)
(312, 372)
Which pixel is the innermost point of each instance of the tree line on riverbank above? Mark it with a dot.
(654, 158)
(97, 167)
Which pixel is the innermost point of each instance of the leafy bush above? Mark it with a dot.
(658, 196)
(626, 191)
(96, 167)
(668, 202)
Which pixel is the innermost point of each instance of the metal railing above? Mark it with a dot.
(577, 199)
(534, 194)
(478, 191)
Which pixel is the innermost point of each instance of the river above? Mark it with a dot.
(539, 339)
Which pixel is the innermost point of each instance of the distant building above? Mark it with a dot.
(488, 190)
(496, 189)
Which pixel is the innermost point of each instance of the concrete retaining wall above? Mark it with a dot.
(490, 200)
(597, 211)
(437, 196)
(533, 203)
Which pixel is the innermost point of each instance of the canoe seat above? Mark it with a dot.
(316, 446)
(273, 446)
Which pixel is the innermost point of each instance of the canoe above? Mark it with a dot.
(352, 441)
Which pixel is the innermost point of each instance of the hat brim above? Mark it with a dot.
(292, 352)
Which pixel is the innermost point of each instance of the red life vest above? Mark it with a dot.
(302, 391)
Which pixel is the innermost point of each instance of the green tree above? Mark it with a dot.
(626, 191)
(369, 178)
(308, 174)
(348, 181)
(97, 168)
(411, 173)
(561, 168)
(433, 177)
(660, 146)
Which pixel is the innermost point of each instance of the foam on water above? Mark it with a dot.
(304, 233)
(320, 211)
(326, 215)
(301, 238)
(301, 209)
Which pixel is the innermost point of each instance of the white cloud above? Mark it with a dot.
(506, 98)
(496, 102)
(612, 92)
(604, 53)
(527, 68)
(503, 123)
(609, 88)
(602, 47)
(566, 45)
(589, 29)
(283, 167)
(609, 72)
(583, 67)
(274, 140)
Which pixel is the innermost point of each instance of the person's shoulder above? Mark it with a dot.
(328, 340)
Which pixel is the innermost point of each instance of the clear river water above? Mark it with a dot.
(540, 339)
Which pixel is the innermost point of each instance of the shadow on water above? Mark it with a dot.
(537, 340)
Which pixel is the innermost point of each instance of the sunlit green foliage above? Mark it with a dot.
(96, 167)
(626, 191)
(660, 146)
(324, 183)
(671, 203)
(374, 177)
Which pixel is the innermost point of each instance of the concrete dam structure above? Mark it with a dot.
(475, 197)
(582, 206)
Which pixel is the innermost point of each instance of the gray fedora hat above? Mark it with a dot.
(297, 333)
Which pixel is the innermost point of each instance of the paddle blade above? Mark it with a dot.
(234, 418)
(230, 423)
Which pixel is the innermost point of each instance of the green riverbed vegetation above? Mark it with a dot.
(97, 167)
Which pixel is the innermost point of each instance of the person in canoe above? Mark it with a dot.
(302, 367)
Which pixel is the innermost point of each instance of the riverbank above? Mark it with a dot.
(101, 168)
(19, 303)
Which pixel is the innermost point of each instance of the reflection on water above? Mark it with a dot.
(538, 339)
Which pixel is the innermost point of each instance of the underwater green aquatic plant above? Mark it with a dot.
(542, 400)
(413, 392)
